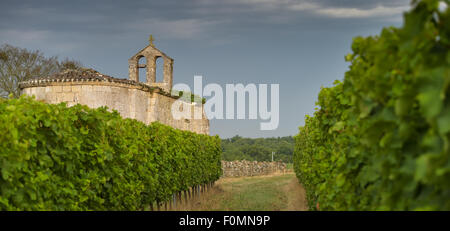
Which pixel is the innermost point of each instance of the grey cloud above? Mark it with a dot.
(330, 8)
(182, 19)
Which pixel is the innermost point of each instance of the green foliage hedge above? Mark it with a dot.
(258, 149)
(58, 158)
(381, 138)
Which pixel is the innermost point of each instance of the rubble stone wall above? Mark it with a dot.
(251, 168)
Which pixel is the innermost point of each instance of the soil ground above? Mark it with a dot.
(278, 192)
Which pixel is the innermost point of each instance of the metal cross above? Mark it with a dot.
(150, 39)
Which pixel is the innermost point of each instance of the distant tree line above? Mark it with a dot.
(19, 64)
(259, 149)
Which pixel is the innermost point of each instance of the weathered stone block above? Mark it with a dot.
(86, 88)
(57, 88)
(68, 97)
(76, 88)
(97, 88)
(67, 88)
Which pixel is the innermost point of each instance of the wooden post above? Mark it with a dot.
(174, 199)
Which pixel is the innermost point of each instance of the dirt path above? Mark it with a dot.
(280, 192)
(296, 196)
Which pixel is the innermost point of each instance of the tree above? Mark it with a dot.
(19, 64)
(69, 64)
(259, 149)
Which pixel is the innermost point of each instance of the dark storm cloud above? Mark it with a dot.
(181, 19)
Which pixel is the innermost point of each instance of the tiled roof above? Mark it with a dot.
(80, 75)
(86, 75)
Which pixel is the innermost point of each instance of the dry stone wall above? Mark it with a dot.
(251, 168)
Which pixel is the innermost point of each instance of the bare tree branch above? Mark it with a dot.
(18, 64)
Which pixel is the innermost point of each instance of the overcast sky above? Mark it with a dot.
(299, 44)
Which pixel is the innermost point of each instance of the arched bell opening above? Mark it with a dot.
(142, 67)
